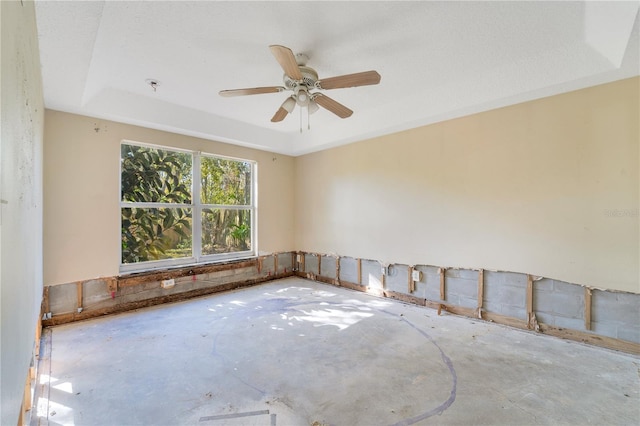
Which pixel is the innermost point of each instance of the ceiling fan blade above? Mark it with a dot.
(287, 61)
(251, 91)
(333, 106)
(365, 78)
(280, 114)
(287, 106)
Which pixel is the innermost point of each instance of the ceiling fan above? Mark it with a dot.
(302, 80)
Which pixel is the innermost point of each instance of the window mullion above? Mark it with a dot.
(227, 206)
(254, 207)
(146, 205)
(196, 220)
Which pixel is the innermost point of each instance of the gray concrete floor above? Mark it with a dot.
(297, 352)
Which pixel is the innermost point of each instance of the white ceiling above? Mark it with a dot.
(438, 60)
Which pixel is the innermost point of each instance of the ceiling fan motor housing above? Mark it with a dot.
(309, 78)
(301, 87)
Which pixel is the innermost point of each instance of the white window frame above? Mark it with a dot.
(196, 213)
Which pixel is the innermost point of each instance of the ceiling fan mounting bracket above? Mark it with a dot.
(301, 59)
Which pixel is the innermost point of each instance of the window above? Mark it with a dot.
(179, 207)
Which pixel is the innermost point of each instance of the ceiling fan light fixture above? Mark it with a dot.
(289, 104)
(313, 106)
(302, 98)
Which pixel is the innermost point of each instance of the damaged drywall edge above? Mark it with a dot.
(462, 268)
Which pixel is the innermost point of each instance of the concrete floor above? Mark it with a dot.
(297, 352)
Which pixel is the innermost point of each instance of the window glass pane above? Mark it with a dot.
(155, 234)
(225, 231)
(155, 175)
(225, 181)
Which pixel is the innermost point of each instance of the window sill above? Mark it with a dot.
(176, 271)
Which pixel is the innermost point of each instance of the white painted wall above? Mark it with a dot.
(21, 186)
(81, 199)
(548, 187)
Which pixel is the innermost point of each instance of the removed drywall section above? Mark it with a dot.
(505, 294)
(612, 319)
(616, 314)
(310, 265)
(285, 263)
(62, 299)
(266, 263)
(397, 278)
(153, 290)
(110, 295)
(605, 318)
(328, 267)
(371, 275)
(462, 287)
(560, 304)
(349, 269)
(429, 286)
(97, 294)
(21, 203)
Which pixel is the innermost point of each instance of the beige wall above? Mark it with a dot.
(81, 203)
(22, 121)
(548, 187)
(528, 188)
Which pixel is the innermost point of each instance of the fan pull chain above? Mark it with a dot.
(308, 119)
(300, 120)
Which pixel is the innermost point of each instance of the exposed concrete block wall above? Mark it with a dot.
(461, 287)
(505, 294)
(397, 278)
(310, 263)
(285, 262)
(429, 285)
(86, 299)
(349, 270)
(268, 263)
(612, 318)
(95, 294)
(328, 266)
(371, 274)
(616, 315)
(560, 304)
(62, 298)
(185, 284)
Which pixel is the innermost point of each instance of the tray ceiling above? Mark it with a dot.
(438, 60)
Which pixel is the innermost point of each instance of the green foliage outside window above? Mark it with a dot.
(225, 182)
(164, 230)
(158, 176)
